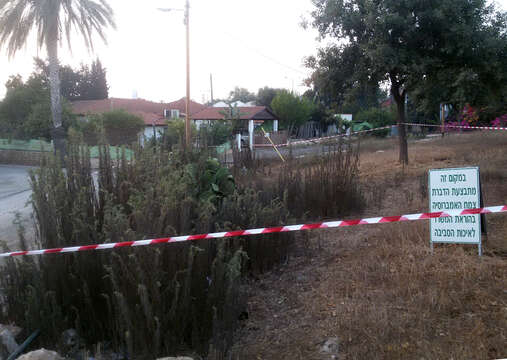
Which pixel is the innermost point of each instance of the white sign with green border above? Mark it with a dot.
(455, 189)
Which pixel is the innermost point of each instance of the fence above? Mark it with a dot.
(30, 152)
(278, 137)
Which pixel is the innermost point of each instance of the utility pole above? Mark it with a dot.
(211, 85)
(187, 98)
(187, 103)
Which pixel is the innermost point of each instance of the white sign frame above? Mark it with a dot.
(445, 173)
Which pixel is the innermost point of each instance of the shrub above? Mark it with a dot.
(215, 134)
(377, 118)
(122, 127)
(116, 127)
(325, 186)
(147, 301)
(292, 110)
(175, 133)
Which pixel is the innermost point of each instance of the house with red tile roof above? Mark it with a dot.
(155, 115)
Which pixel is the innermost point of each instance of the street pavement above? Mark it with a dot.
(14, 196)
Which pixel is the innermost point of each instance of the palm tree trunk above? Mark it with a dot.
(57, 133)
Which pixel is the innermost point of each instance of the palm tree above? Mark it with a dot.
(54, 21)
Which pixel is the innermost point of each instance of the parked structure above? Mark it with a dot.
(250, 116)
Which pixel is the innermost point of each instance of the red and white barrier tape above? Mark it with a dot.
(271, 230)
(460, 126)
(317, 140)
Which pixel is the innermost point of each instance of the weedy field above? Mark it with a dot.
(377, 291)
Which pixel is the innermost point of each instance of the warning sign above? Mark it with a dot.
(455, 189)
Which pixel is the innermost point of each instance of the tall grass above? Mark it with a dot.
(153, 301)
(164, 299)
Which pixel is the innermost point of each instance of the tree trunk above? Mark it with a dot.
(400, 106)
(57, 133)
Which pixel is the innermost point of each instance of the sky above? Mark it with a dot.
(243, 43)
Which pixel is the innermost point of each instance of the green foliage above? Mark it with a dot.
(25, 112)
(175, 133)
(121, 127)
(325, 186)
(340, 82)
(377, 118)
(85, 83)
(241, 94)
(150, 301)
(437, 49)
(449, 51)
(291, 109)
(266, 95)
(121, 119)
(215, 182)
(53, 20)
(216, 133)
(115, 127)
(89, 130)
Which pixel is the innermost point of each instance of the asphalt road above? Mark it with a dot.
(14, 196)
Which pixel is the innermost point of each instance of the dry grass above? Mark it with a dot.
(377, 288)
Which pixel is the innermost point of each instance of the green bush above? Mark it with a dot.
(116, 127)
(121, 127)
(377, 118)
(150, 301)
(292, 110)
(174, 135)
(215, 134)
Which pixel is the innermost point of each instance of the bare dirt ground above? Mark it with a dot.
(376, 291)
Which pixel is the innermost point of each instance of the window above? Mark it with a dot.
(175, 114)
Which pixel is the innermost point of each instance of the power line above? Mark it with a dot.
(258, 52)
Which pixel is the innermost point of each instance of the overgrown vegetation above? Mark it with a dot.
(163, 299)
(178, 295)
(291, 109)
(378, 289)
(25, 112)
(115, 127)
(377, 117)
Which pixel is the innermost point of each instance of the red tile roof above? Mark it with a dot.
(151, 112)
(246, 113)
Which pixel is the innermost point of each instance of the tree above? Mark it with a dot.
(401, 42)
(291, 109)
(54, 20)
(85, 83)
(266, 95)
(241, 94)
(25, 113)
(99, 87)
(480, 80)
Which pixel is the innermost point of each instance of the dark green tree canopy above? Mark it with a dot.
(25, 112)
(266, 95)
(291, 109)
(454, 44)
(241, 94)
(53, 22)
(405, 44)
(85, 83)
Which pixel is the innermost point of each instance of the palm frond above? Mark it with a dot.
(52, 19)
